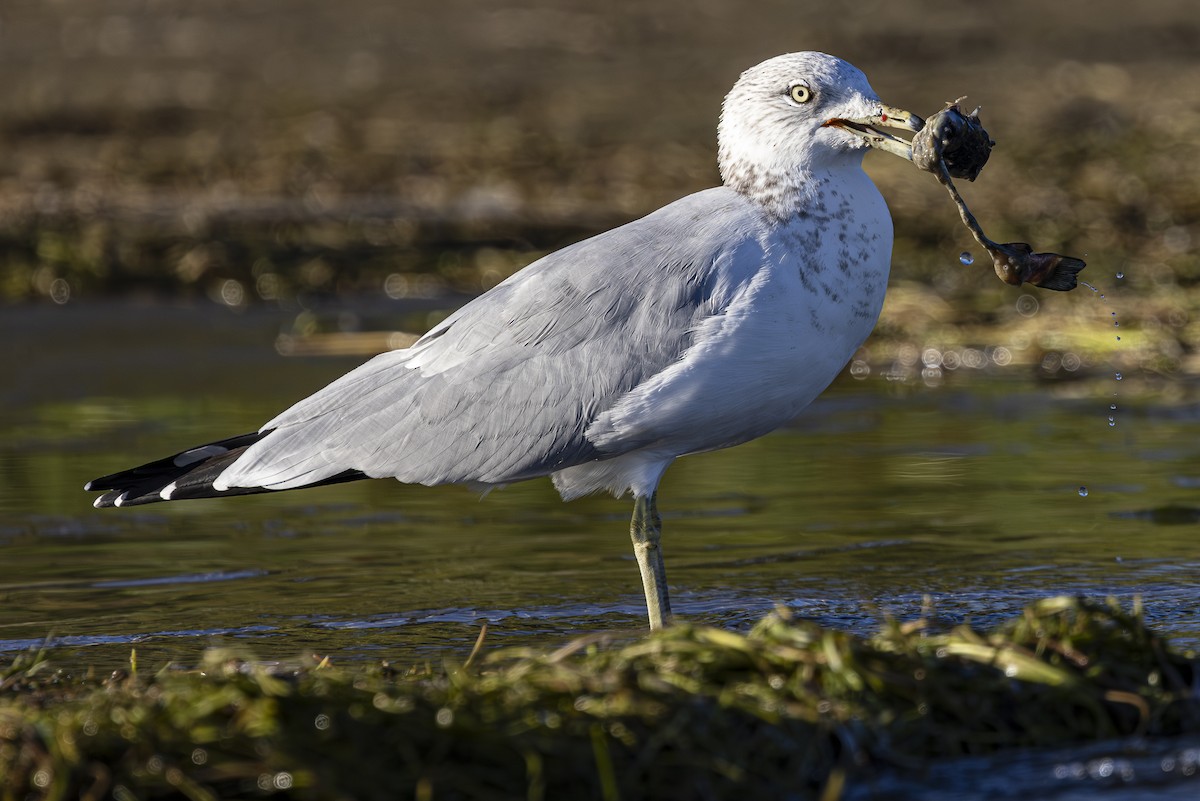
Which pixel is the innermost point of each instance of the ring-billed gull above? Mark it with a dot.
(710, 322)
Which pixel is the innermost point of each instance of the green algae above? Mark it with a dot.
(788, 710)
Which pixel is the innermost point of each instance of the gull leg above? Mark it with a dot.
(646, 529)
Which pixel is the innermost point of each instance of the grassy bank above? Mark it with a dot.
(788, 710)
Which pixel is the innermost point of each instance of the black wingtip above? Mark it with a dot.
(187, 475)
(145, 483)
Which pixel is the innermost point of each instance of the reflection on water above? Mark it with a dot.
(884, 498)
(1125, 770)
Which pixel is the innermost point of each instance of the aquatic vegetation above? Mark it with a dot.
(786, 710)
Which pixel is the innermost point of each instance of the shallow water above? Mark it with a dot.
(885, 496)
(1135, 769)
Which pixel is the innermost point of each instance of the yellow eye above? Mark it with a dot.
(800, 93)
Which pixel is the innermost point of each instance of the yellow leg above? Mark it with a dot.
(646, 530)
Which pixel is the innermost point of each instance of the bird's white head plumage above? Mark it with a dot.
(772, 136)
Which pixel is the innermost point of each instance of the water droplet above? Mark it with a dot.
(1119, 376)
(1113, 407)
(1120, 276)
(1114, 314)
(1118, 339)
(1117, 323)
(1112, 421)
(1083, 492)
(966, 258)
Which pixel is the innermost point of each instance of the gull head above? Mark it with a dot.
(797, 115)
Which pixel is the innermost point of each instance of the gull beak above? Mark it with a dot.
(870, 129)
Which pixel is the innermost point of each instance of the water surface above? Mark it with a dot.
(884, 497)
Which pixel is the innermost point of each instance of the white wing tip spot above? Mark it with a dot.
(199, 454)
(166, 492)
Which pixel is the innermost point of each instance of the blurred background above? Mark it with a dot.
(261, 152)
(190, 192)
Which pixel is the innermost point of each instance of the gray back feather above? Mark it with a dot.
(505, 388)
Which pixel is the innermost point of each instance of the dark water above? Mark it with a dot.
(1126, 770)
(885, 494)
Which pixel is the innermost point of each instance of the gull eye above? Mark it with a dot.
(800, 93)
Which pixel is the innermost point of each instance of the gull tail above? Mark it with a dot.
(189, 474)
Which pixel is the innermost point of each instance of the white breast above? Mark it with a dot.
(781, 341)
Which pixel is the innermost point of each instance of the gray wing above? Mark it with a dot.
(505, 388)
